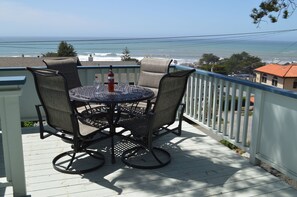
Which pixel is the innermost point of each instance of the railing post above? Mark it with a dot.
(10, 92)
(256, 125)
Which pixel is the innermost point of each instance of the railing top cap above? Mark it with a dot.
(13, 80)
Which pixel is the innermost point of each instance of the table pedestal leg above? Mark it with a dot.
(112, 145)
(112, 129)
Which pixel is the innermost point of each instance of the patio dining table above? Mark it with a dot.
(122, 94)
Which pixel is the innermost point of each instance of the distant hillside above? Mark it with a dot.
(35, 61)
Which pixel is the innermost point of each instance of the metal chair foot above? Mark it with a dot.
(142, 158)
(71, 162)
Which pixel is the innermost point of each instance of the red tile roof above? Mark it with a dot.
(279, 70)
(252, 99)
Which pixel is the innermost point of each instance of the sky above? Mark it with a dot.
(134, 18)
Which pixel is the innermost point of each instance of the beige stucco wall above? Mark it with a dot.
(258, 77)
(288, 84)
(280, 81)
(284, 83)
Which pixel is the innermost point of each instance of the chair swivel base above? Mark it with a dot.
(71, 162)
(142, 158)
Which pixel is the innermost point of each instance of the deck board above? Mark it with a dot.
(200, 166)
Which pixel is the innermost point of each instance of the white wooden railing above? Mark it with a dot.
(222, 105)
(266, 129)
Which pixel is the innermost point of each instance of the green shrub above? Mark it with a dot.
(228, 144)
(28, 123)
(236, 103)
(50, 54)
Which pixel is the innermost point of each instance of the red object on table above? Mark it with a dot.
(110, 78)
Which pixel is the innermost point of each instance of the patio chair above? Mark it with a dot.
(67, 66)
(155, 123)
(64, 122)
(93, 115)
(151, 72)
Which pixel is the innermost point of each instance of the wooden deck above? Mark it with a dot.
(200, 166)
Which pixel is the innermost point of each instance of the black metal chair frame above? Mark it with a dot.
(145, 143)
(79, 143)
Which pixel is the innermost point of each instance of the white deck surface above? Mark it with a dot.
(200, 166)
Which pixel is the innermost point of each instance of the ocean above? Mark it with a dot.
(182, 49)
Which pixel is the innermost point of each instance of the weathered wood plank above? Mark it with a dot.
(200, 166)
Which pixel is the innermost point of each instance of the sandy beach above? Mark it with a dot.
(37, 61)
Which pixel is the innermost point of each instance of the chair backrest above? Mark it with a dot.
(66, 66)
(52, 90)
(152, 70)
(171, 91)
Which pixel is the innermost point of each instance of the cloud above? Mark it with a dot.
(21, 20)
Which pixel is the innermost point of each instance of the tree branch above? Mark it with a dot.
(273, 9)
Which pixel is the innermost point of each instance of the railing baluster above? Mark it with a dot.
(214, 103)
(187, 97)
(200, 98)
(204, 111)
(192, 85)
(209, 103)
(246, 116)
(196, 95)
(238, 121)
(220, 106)
(226, 107)
(118, 73)
(102, 74)
(128, 76)
(135, 75)
(232, 111)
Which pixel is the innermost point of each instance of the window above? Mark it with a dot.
(264, 78)
(295, 83)
(274, 81)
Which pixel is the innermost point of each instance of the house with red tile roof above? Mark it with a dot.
(281, 76)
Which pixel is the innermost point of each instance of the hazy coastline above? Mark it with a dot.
(184, 51)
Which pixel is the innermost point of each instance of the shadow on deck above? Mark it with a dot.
(200, 166)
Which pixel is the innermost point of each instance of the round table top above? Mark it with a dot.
(131, 94)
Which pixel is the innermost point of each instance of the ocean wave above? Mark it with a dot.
(99, 58)
(110, 57)
(289, 52)
(106, 54)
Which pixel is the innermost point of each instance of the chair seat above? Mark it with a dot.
(94, 116)
(86, 130)
(137, 126)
